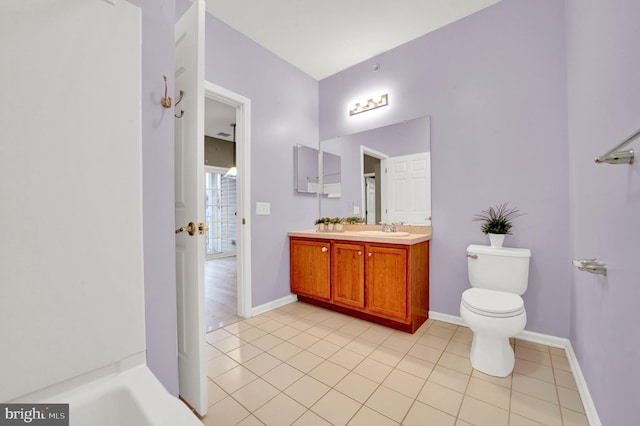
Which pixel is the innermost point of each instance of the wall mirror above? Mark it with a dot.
(307, 175)
(386, 174)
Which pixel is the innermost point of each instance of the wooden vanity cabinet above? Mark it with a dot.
(379, 282)
(310, 268)
(347, 274)
(386, 281)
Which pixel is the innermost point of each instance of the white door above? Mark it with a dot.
(406, 189)
(370, 185)
(189, 195)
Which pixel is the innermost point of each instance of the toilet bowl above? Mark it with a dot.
(493, 308)
(493, 316)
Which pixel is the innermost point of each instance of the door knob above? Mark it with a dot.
(202, 228)
(191, 228)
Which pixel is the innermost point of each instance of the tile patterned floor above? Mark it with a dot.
(302, 365)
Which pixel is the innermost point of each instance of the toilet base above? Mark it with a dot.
(492, 355)
(491, 352)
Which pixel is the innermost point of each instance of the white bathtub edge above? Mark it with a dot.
(131, 375)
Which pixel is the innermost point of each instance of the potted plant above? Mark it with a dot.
(497, 222)
(337, 223)
(322, 223)
(354, 220)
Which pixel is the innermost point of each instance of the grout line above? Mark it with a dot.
(298, 315)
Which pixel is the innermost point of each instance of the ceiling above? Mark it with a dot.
(218, 118)
(339, 33)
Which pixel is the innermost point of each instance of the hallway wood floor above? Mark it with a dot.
(221, 292)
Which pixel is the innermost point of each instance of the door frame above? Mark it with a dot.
(242, 106)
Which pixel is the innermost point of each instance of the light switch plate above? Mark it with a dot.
(263, 209)
(356, 210)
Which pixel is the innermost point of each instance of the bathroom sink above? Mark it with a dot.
(383, 234)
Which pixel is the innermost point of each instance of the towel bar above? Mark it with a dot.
(614, 156)
(591, 265)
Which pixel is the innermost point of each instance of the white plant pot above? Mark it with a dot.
(496, 239)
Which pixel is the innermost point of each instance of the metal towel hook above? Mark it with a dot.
(177, 102)
(166, 99)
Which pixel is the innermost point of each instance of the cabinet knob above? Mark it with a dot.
(324, 249)
(370, 254)
(359, 253)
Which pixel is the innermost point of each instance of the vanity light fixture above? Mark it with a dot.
(369, 104)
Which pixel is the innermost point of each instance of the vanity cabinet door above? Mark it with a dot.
(310, 268)
(386, 281)
(347, 274)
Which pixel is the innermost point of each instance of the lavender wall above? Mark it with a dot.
(284, 112)
(284, 106)
(604, 104)
(158, 200)
(494, 85)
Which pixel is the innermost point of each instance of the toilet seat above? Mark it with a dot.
(492, 303)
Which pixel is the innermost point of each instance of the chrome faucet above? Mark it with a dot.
(388, 227)
(391, 227)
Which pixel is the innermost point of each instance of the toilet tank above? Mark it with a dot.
(503, 269)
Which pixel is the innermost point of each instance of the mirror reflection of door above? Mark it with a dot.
(370, 199)
(407, 189)
(221, 240)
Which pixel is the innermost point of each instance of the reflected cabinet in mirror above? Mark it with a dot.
(386, 174)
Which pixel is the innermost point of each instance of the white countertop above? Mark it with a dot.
(349, 235)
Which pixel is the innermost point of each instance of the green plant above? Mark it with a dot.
(354, 220)
(336, 220)
(323, 220)
(498, 219)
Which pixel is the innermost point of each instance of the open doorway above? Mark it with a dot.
(372, 177)
(371, 166)
(221, 212)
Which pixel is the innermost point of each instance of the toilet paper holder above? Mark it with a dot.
(591, 265)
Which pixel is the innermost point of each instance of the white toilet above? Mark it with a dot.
(493, 308)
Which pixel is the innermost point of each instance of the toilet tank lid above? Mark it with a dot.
(498, 251)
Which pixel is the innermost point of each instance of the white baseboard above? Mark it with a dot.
(452, 319)
(544, 339)
(583, 389)
(273, 304)
(553, 341)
